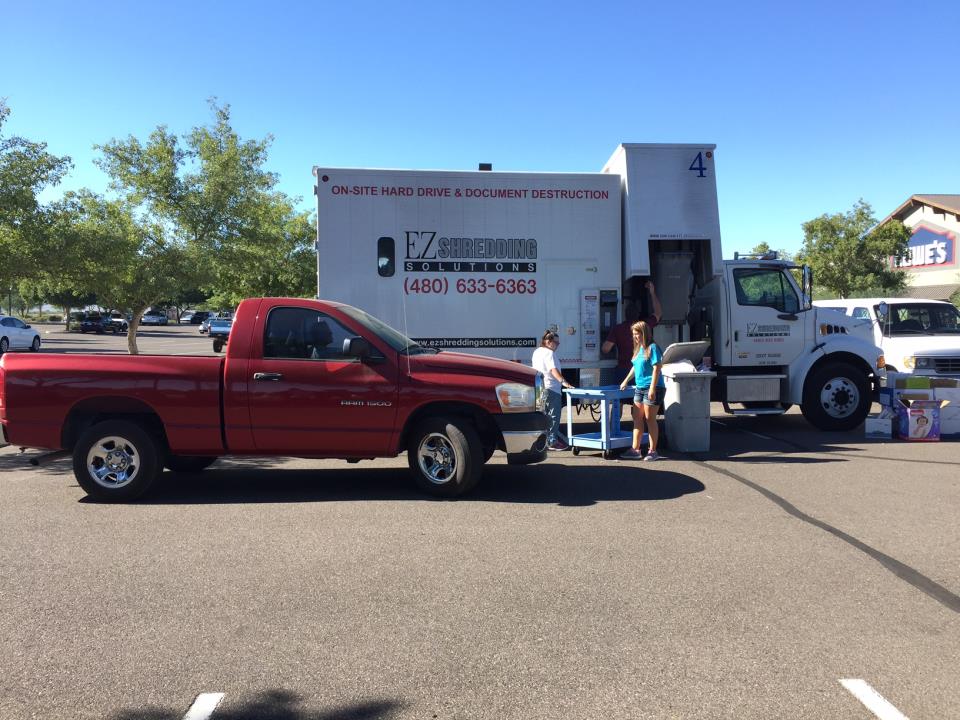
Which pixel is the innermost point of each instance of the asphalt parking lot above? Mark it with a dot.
(746, 582)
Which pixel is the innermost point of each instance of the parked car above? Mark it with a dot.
(219, 330)
(100, 324)
(15, 334)
(205, 324)
(153, 317)
(119, 321)
(198, 317)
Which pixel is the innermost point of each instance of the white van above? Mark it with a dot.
(917, 336)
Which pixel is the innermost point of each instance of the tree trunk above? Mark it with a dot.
(132, 330)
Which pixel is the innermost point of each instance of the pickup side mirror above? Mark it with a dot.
(356, 347)
(26, 327)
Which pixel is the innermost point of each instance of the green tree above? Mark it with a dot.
(144, 264)
(216, 202)
(850, 254)
(26, 168)
(205, 211)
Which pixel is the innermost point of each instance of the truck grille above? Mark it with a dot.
(947, 365)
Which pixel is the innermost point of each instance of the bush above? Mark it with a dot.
(54, 318)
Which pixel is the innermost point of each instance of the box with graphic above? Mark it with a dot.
(918, 420)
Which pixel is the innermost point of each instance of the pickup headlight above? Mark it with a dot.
(515, 397)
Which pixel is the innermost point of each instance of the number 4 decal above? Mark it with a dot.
(698, 166)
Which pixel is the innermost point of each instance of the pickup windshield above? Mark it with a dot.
(394, 338)
(920, 319)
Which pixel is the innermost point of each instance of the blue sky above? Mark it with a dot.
(812, 105)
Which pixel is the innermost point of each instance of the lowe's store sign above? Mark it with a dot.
(929, 249)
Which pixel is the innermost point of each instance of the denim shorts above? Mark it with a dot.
(640, 396)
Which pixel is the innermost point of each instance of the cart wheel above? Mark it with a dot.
(576, 451)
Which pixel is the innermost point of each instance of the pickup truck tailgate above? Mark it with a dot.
(41, 392)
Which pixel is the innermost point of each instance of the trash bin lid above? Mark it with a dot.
(690, 351)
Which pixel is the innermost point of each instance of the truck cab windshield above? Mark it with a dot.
(394, 338)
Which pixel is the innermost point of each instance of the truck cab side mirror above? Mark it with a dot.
(357, 347)
(807, 287)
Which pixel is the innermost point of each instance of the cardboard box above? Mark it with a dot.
(918, 420)
(878, 428)
(912, 395)
(949, 410)
(912, 382)
(939, 382)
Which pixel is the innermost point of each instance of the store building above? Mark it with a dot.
(931, 265)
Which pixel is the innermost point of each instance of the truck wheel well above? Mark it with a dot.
(94, 410)
(486, 427)
(844, 357)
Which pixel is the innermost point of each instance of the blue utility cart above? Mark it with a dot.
(610, 437)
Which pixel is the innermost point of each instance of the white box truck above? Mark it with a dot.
(485, 262)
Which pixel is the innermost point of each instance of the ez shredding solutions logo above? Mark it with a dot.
(426, 252)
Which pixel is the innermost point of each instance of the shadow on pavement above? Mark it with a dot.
(275, 705)
(573, 485)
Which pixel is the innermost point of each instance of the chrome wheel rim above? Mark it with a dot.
(437, 458)
(840, 397)
(113, 462)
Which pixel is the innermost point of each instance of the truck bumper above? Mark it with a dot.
(524, 437)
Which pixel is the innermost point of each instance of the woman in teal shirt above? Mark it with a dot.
(648, 378)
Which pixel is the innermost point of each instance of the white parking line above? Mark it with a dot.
(203, 706)
(874, 701)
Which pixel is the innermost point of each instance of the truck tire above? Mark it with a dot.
(446, 456)
(116, 461)
(217, 345)
(188, 463)
(836, 396)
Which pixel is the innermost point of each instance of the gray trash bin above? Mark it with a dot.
(686, 402)
(686, 407)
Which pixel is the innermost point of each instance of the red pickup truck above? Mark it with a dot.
(301, 378)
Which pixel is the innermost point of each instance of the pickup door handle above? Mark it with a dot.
(788, 316)
(273, 377)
